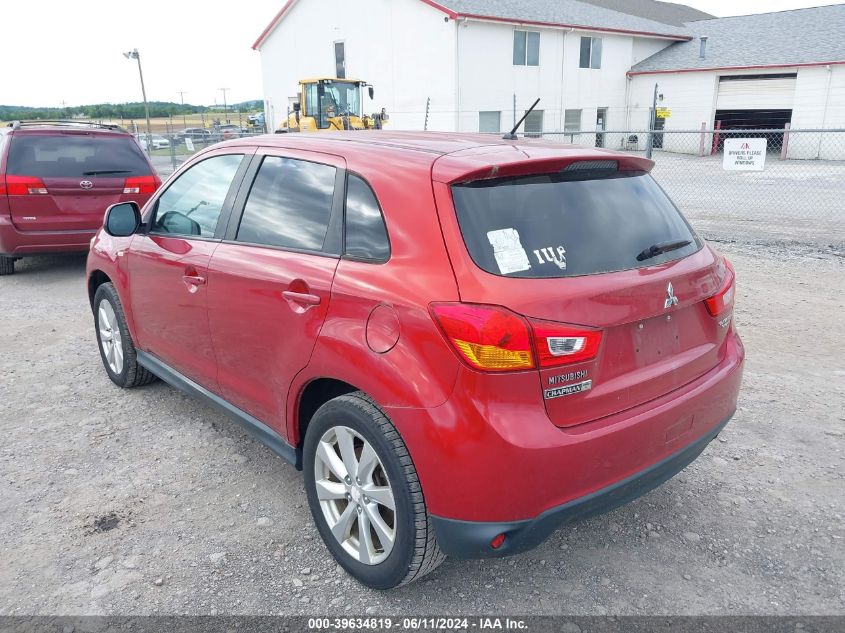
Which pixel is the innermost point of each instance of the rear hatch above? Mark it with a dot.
(607, 273)
(65, 180)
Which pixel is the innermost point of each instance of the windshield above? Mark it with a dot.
(557, 225)
(337, 98)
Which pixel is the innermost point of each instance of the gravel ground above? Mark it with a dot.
(148, 502)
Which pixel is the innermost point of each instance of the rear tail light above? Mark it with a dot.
(723, 300)
(25, 186)
(141, 184)
(487, 337)
(562, 344)
(493, 338)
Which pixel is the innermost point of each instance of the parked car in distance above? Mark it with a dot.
(56, 181)
(196, 134)
(158, 141)
(228, 131)
(464, 343)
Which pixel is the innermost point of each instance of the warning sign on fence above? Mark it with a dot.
(744, 153)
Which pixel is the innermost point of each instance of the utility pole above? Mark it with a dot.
(225, 107)
(651, 124)
(133, 54)
(182, 100)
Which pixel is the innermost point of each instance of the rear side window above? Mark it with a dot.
(366, 234)
(75, 156)
(289, 205)
(569, 223)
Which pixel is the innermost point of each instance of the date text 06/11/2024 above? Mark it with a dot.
(417, 623)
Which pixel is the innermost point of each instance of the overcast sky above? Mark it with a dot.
(55, 51)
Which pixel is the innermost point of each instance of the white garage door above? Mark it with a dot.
(756, 94)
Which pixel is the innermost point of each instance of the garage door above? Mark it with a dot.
(756, 92)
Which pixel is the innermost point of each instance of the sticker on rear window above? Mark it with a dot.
(552, 255)
(508, 251)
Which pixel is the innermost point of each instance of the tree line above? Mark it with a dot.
(119, 110)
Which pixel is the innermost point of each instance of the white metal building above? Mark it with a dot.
(593, 63)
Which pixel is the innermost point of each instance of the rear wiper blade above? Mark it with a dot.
(99, 172)
(662, 247)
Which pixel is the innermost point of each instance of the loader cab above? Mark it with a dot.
(327, 100)
(326, 104)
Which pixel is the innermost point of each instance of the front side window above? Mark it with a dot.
(526, 48)
(366, 234)
(289, 205)
(590, 52)
(192, 204)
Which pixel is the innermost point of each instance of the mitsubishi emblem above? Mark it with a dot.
(671, 299)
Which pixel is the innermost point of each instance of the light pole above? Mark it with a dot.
(225, 108)
(133, 54)
(182, 99)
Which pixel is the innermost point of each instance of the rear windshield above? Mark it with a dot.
(562, 225)
(75, 156)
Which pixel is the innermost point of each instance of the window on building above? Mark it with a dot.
(534, 124)
(340, 60)
(526, 48)
(590, 52)
(490, 121)
(289, 204)
(572, 120)
(366, 234)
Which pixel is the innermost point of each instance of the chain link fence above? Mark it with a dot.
(791, 189)
(784, 185)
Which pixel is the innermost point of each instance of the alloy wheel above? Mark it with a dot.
(110, 338)
(355, 495)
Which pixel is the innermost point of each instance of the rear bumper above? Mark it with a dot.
(17, 243)
(490, 461)
(471, 539)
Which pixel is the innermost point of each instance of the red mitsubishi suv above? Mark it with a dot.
(56, 180)
(464, 342)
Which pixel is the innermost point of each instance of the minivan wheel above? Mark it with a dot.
(365, 495)
(117, 349)
(7, 266)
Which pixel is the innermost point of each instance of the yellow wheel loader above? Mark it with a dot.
(328, 104)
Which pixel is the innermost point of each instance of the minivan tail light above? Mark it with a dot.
(141, 184)
(25, 186)
(723, 300)
(486, 337)
(563, 344)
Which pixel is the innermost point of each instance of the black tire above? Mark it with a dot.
(131, 374)
(7, 266)
(415, 551)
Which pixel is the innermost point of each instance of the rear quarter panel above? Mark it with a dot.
(420, 370)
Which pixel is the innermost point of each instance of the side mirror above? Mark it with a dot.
(371, 91)
(297, 107)
(122, 219)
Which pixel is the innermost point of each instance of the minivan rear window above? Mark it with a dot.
(565, 224)
(75, 156)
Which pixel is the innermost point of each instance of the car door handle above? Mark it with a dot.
(303, 298)
(194, 280)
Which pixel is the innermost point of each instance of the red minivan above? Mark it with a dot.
(464, 342)
(56, 181)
